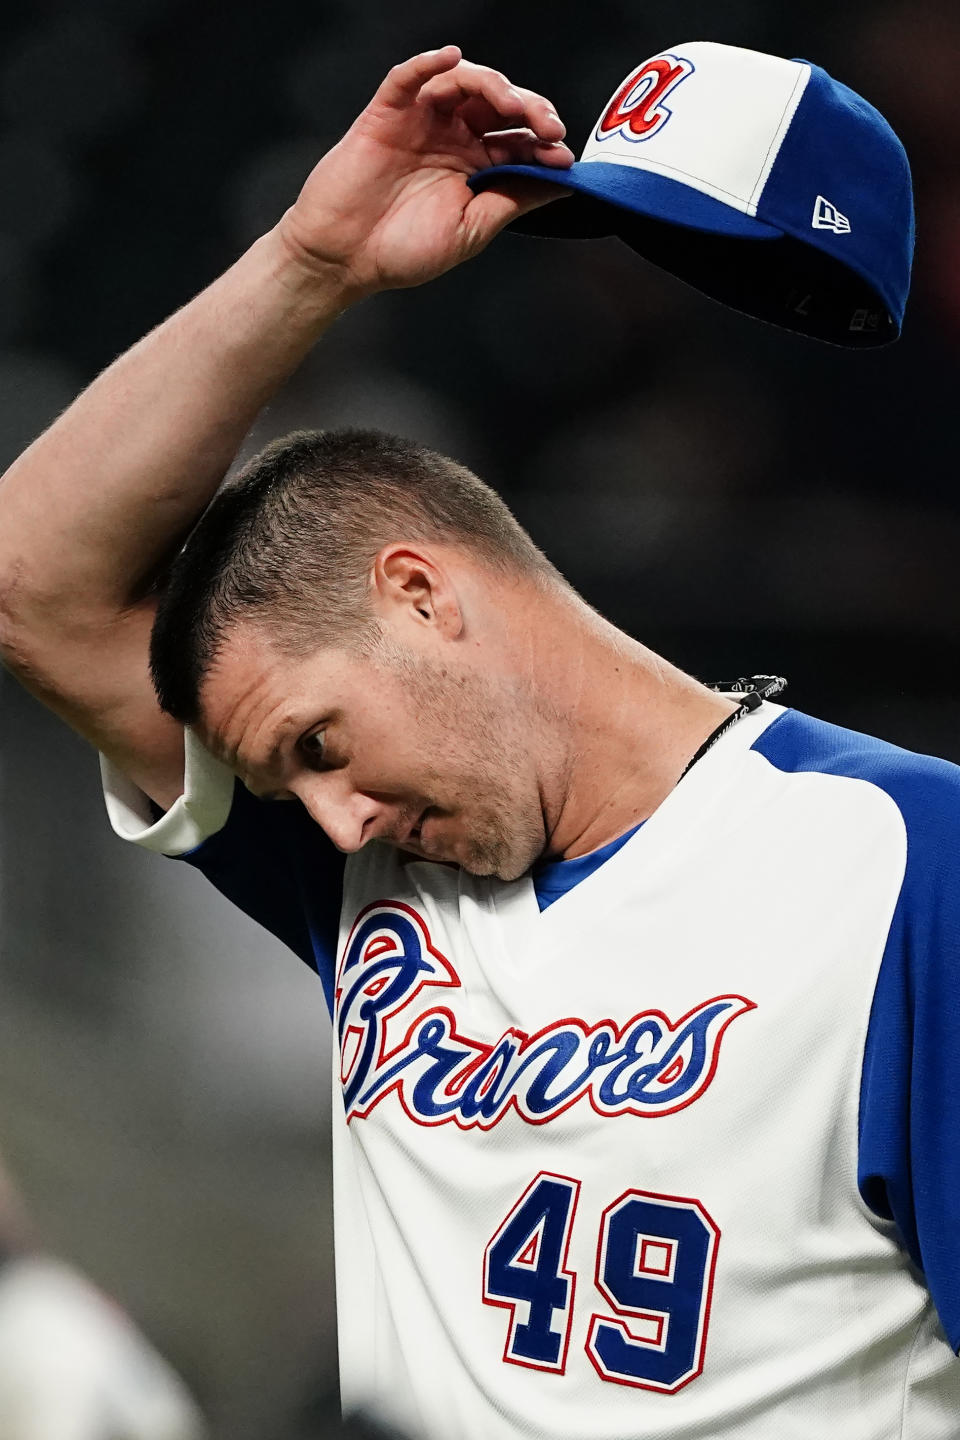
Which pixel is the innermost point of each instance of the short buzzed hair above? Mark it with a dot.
(291, 544)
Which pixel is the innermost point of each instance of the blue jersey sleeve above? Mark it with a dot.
(910, 1096)
(909, 1138)
(275, 863)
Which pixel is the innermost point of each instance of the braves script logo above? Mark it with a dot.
(646, 1067)
(637, 110)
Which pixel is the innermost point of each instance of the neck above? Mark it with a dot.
(626, 724)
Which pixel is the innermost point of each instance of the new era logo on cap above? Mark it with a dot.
(828, 217)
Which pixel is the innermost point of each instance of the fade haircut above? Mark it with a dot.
(290, 545)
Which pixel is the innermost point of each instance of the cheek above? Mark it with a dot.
(455, 743)
(400, 753)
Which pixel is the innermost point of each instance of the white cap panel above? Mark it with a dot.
(711, 116)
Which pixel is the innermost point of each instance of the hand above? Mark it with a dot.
(389, 205)
(73, 1367)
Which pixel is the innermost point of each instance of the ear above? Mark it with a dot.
(413, 587)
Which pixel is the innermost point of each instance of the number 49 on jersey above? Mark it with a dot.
(656, 1256)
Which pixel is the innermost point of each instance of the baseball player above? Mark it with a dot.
(643, 992)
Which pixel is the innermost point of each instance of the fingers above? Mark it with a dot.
(479, 115)
(404, 82)
(482, 118)
(541, 116)
(523, 147)
(486, 100)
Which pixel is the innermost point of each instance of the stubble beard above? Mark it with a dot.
(501, 832)
(495, 849)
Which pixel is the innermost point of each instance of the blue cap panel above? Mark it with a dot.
(841, 150)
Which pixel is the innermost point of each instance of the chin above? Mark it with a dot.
(500, 861)
(489, 851)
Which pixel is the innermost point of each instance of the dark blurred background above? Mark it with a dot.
(739, 499)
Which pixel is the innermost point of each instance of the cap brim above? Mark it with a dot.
(602, 189)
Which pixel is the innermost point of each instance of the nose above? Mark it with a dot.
(347, 815)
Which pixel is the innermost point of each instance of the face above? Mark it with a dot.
(402, 747)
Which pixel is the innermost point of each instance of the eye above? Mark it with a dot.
(313, 745)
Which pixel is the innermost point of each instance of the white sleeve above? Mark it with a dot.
(200, 811)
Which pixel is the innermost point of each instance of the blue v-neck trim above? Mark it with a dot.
(553, 878)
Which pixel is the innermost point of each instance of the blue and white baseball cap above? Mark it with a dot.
(761, 181)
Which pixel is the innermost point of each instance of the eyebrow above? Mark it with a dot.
(232, 761)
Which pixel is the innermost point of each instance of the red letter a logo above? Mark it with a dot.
(636, 109)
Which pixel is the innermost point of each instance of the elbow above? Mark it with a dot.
(26, 620)
(11, 626)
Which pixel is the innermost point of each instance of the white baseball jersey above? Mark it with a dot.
(662, 1143)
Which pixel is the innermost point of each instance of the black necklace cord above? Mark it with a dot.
(754, 689)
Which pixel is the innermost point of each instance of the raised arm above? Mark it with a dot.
(92, 510)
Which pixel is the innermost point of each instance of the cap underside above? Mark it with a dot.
(782, 280)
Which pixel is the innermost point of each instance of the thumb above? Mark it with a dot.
(493, 209)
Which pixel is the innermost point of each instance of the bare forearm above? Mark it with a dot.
(92, 507)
